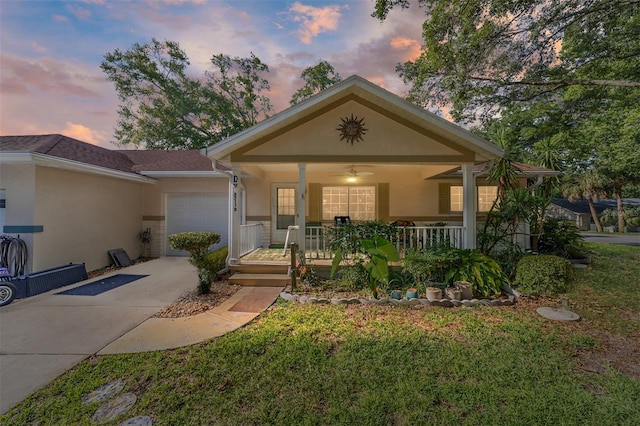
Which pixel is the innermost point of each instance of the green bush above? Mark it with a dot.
(197, 244)
(483, 272)
(215, 261)
(560, 237)
(543, 275)
(430, 263)
(443, 263)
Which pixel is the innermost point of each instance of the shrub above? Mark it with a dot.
(444, 263)
(429, 264)
(508, 258)
(197, 244)
(559, 237)
(484, 273)
(215, 261)
(543, 275)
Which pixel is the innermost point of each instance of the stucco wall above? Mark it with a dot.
(409, 194)
(84, 216)
(154, 204)
(19, 181)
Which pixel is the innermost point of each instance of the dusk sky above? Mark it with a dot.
(50, 51)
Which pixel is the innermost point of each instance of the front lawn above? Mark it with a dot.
(364, 364)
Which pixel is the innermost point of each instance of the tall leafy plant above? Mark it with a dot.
(377, 252)
(484, 273)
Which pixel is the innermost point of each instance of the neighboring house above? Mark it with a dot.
(578, 211)
(72, 201)
(356, 150)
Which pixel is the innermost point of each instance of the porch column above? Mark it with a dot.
(234, 215)
(301, 206)
(469, 206)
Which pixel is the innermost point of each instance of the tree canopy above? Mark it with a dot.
(316, 79)
(163, 107)
(482, 55)
(559, 78)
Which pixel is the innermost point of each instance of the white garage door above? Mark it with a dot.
(197, 212)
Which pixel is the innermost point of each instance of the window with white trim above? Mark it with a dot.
(485, 196)
(357, 202)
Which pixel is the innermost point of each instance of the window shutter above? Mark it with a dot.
(383, 202)
(444, 198)
(315, 202)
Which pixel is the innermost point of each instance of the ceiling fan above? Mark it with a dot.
(354, 173)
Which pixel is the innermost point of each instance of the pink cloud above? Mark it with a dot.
(83, 133)
(79, 12)
(22, 76)
(36, 47)
(409, 47)
(60, 18)
(315, 20)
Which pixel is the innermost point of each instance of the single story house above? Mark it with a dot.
(354, 150)
(578, 211)
(360, 151)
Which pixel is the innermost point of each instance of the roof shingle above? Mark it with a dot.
(131, 161)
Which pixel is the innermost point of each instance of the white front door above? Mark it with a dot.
(283, 210)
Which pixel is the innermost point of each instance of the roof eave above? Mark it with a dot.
(63, 163)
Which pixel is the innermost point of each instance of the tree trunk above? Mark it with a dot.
(594, 215)
(617, 191)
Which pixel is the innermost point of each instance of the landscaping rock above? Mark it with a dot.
(114, 408)
(557, 314)
(104, 392)
(137, 421)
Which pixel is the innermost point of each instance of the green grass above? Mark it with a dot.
(608, 292)
(372, 365)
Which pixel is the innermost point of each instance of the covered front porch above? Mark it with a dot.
(358, 153)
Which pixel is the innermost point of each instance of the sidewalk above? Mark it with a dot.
(41, 337)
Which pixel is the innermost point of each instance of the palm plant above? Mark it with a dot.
(590, 186)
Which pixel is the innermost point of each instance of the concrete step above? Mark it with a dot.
(259, 269)
(259, 280)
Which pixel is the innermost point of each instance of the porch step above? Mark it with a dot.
(259, 280)
(248, 268)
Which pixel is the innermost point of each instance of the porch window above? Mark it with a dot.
(486, 195)
(358, 202)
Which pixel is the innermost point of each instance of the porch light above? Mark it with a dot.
(352, 179)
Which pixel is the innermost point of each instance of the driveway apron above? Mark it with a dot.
(43, 336)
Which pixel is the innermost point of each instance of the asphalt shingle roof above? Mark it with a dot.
(131, 161)
(582, 206)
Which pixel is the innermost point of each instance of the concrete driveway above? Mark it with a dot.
(43, 336)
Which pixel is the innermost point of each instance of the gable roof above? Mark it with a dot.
(67, 148)
(372, 96)
(135, 162)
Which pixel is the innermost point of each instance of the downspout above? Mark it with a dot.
(229, 174)
(537, 183)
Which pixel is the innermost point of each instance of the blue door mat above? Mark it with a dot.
(100, 286)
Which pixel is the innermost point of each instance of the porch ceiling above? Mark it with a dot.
(364, 172)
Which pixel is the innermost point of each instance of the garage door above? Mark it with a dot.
(188, 212)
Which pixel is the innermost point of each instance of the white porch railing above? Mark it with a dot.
(419, 237)
(408, 237)
(250, 237)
